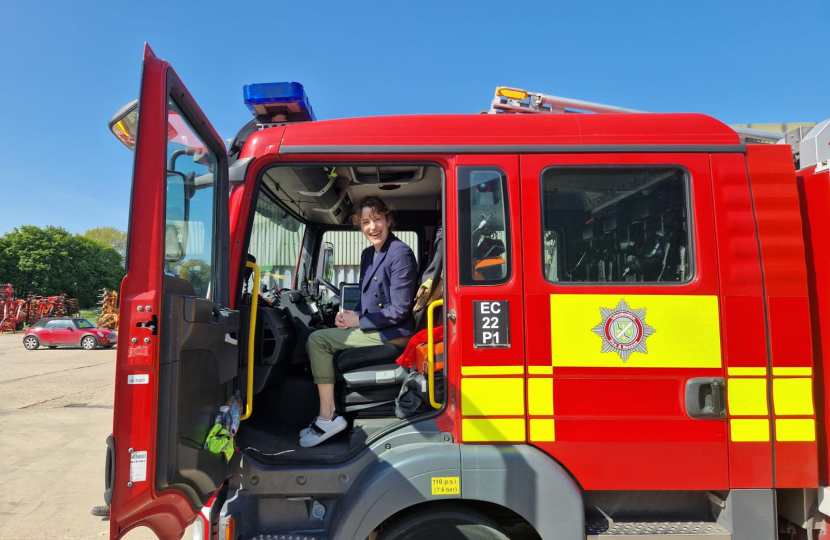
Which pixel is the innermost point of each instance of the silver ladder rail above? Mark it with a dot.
(514, 100)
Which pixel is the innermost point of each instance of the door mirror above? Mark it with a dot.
(328, 262)
(124, 124)
(70, 328)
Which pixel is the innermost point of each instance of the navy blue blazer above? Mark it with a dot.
(387, 289)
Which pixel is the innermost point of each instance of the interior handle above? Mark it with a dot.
(431, 352)
(249, 396)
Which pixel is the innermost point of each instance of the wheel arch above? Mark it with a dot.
(520, 479)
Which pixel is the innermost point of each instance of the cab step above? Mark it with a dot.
(651, 530)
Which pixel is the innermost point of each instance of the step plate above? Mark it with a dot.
(652, 530)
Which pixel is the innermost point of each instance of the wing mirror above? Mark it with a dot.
(124, 124)
(70, 328)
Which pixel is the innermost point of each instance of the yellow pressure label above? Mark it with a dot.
(447, 485)
(661, 331)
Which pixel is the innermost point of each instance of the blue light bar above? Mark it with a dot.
(278, 102)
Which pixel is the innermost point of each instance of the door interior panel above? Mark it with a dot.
(194, 349)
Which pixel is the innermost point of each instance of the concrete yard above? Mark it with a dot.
(55, 415)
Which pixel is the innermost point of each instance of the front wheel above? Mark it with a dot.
(31, 342)
(449, 523)
(89, 343)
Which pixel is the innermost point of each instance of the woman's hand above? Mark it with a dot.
(347, 319)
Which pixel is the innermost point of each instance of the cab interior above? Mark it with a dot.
(301, 237)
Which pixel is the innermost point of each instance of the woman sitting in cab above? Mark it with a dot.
(388, 273)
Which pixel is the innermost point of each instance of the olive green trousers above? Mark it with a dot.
(322, 345)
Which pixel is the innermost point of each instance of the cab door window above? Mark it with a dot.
(190, 210)
(616, 224)
(484, 233)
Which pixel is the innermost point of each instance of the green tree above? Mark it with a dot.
(115, 238)
(50, 261)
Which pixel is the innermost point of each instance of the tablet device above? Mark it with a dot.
(349, 297)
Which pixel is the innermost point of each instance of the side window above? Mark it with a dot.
(190, 218)
(616, 224)
(346, 247)
(53, 325)
(483, 226)
(276, 240)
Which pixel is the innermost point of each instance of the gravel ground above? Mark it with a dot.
(55, 414)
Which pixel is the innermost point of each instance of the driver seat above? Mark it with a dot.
(369, 379)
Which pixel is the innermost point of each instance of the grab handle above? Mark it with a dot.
(249, 396)
(431, 352)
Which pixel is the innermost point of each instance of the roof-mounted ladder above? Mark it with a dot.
(513, 100)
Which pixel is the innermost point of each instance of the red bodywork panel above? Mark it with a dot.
(814, 195)
(743, 322)
(780, 234)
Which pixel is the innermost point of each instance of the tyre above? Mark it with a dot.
(447, 523)
(89, 343)
(18, 327)
(31, 342)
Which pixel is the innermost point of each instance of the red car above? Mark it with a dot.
(54, 331)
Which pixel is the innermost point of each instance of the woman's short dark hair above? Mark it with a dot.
(378, 207)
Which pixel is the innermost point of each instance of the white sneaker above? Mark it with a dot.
(304, 431)
(321, 430)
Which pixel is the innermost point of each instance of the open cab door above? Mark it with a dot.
(177, 355)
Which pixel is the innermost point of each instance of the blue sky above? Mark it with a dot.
(68, 66)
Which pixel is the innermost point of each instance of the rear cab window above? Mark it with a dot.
(616, 225)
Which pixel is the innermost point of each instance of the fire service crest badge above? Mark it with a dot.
(623, 330)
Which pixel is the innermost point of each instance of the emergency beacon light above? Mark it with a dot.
(278, 102)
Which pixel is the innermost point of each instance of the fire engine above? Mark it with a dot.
(633, 311)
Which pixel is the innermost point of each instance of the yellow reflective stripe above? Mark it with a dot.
(492, 370)
(792, 371)
(749, 430)
(540, 397)
(747, 371)
(540, 370)
(492, 397)
(493, 429)
(792, 397)
(747, 397)
(541, 430)
(795, 429)
(687, 331)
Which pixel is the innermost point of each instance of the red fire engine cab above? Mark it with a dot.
(633, 312)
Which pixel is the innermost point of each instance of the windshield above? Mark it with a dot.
(83, 324)
(276, 237)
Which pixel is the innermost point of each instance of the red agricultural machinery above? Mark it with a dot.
(16, 312)
(13, 311)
